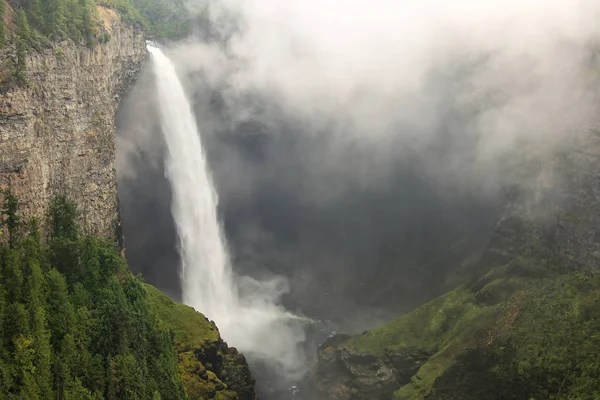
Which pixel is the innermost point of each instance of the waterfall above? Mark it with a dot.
(253, 322)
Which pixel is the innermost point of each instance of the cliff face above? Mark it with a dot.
(57, 133)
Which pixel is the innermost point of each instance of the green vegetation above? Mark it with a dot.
(2, 27)
(57, 20)
(23, 40)
(75, 323)
(194, 334)
(38, 23)
(163, 19)
(191, 330)
(523, 331)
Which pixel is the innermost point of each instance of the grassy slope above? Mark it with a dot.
(518, 332)
(193, 334)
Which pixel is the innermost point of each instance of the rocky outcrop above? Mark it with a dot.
(57, 132)
(345, 373)
(209, 369)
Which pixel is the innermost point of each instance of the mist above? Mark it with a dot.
(363, 152)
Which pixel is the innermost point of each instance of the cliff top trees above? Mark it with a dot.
(2, 27)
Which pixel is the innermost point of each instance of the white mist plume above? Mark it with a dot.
(392, 77)
(248, 319)
(518, 71)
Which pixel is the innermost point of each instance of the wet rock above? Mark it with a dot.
(345, 374)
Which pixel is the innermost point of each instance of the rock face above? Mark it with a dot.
(365, 376)
(57, 133)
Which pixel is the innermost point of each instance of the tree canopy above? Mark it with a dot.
(74, 322)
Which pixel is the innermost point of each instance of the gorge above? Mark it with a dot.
(400, 203)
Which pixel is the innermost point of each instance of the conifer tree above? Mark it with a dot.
(36, 14)
(23, 42)
(55, 18)
(63, 218)
(2, 27)
(39, 330)
(13, 276)
(60, 311)
(92, 339)
(12, 220)
(16, 323)
(88, 31)
(25, 373)
(32, 244)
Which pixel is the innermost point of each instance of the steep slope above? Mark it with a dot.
(209, 368)
(75, 323)
(523, 322)
(510, 335)
(57, 132)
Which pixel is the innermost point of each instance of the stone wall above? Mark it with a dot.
(57, 133)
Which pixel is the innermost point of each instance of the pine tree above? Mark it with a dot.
(63, 218)
(23, 44)
(92, 339)
(32, 245)
(74, 14)
(60, 311)
(12, 220)
(13, 276)
(2, 27)
(39, 330)
(88, 31)
(55, 20)
(36, 14)
(16, 323)
(62, 366)
(25, 372)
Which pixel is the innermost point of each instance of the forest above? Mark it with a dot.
(75, 323)
(77, 19)
(35, 24)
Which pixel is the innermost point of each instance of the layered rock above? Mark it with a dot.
(57, 132)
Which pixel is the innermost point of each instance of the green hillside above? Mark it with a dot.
(76, 324)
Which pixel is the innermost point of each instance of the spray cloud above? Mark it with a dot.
(473, 95)
(249, 320)
(517, 74)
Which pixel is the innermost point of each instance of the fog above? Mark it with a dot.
(364, 150)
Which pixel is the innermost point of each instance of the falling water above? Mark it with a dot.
(252, 322)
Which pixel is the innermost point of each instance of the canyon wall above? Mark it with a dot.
(57, 132)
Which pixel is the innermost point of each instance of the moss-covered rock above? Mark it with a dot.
(209, 368)
(533, 337)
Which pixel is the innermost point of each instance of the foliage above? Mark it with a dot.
(167, 19)
(57, 20)
(194, 334)
(23, 41)
(2, 26)
(163, 19)
(522, 331)
(75, 323)
(10, 217)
